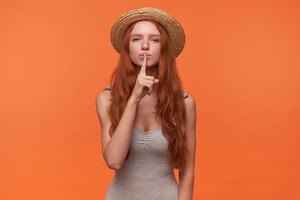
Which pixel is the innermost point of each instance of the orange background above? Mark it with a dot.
(241, 64)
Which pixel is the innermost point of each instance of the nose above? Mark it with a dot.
(145, 45)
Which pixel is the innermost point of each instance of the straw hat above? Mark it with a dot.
(172, 26)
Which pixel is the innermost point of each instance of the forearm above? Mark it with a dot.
(186, 187)
(118, 146)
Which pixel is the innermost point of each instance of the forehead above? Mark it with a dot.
(144, 28)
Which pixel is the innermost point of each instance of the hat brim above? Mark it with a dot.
(172, 26)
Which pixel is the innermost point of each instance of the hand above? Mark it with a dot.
(143, 83)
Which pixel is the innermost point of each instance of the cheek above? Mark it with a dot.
(132, 51)
(157, 52)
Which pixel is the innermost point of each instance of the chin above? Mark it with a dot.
(139, 63)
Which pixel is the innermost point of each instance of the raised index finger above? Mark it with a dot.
(143, 67)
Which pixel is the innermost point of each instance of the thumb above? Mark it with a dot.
(156, 80)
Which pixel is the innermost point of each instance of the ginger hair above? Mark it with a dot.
(170, 108)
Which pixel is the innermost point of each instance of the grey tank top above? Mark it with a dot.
(146, 174)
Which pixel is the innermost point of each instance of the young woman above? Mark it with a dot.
(148, 122)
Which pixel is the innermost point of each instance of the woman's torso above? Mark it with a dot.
(147, 172)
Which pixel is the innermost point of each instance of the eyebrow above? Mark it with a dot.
(136, 34)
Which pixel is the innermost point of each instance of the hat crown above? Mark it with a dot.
(172, 26)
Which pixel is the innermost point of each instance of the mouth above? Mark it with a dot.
(142, 55)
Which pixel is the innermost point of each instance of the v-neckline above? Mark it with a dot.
(147, 132)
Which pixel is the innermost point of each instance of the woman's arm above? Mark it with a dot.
(115, 148)
(186, 175)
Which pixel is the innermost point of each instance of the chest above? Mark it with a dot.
(145, 116)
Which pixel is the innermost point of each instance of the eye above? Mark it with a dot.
(134, 39)
(156, 40)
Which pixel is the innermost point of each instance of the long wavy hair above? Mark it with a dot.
(170, 108)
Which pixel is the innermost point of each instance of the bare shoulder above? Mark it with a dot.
(102, 103)
(190, 102)
(191, 118)
(104, 95)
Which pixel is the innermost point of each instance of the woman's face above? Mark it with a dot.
(144, 38)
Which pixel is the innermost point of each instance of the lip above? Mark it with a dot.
(146, 54)
(142, 57)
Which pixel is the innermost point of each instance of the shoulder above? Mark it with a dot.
(104, 96)
(189, 102)
(191, 115)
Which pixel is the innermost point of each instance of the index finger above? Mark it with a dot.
(143, 67)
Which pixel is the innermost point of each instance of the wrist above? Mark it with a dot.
(133, 100)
